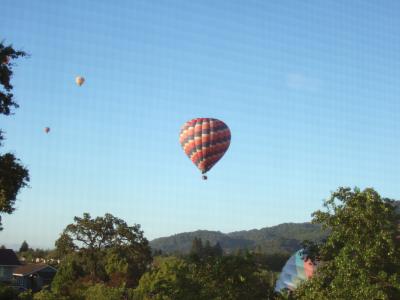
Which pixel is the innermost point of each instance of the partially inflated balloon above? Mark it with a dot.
(205, 141)
(297, 269)
(79, 80)
(47, 129)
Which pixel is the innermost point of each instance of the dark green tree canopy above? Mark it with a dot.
(13, 176)
(24, 247)
(7, 54)
(106, 248)
(200, 252)
(104, 232)
(227, 277)
(197, 246)
(361, 257)
(64, 245)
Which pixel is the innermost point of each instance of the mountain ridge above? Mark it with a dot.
(285, 237)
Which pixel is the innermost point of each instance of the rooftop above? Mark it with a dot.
(8, 258)
(30, 268)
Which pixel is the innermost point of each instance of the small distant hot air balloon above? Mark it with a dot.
(79, 80)
(297, 269)
(47, 129)
(205, 141)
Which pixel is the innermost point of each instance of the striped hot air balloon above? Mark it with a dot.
(205, 141)
(297, 269)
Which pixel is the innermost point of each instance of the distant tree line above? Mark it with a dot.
(105, 258)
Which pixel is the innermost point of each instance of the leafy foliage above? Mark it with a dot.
(107, 245)
(103, 292)
(212, 277)
(200, 252)
(171, 279)
(273, 262)
(64, 246)
(7, 53)
(24, 247)
(69, 271)
(7, 292)
(361, 256)
(102, 257)
(234, 277)
(13, 176)
(48, 295)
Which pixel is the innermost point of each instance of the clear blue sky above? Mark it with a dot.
(310, 91)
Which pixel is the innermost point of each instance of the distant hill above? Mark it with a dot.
(283, 238)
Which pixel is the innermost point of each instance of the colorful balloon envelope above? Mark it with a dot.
(205, 141)
(296, 270)
(79, 80)
(47, 129)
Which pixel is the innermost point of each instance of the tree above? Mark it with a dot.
(125, 265)
(200, 252)
(208, 251)
(7, 53)
(196, 252)
(69, 271)
(361, 256)
(102, 292)
(26, 295)
(24, 247)
(7, 292)
(107, 245)
(227, 277)
(104, 232)
(48, 295)
(273, 262)
(233, 277)
(171, 279)
(64, 246)
(13, 176)
(217, 249)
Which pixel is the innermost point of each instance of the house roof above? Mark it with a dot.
(28, 269)
(8, 258)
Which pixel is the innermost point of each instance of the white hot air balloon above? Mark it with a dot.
(79, 80)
